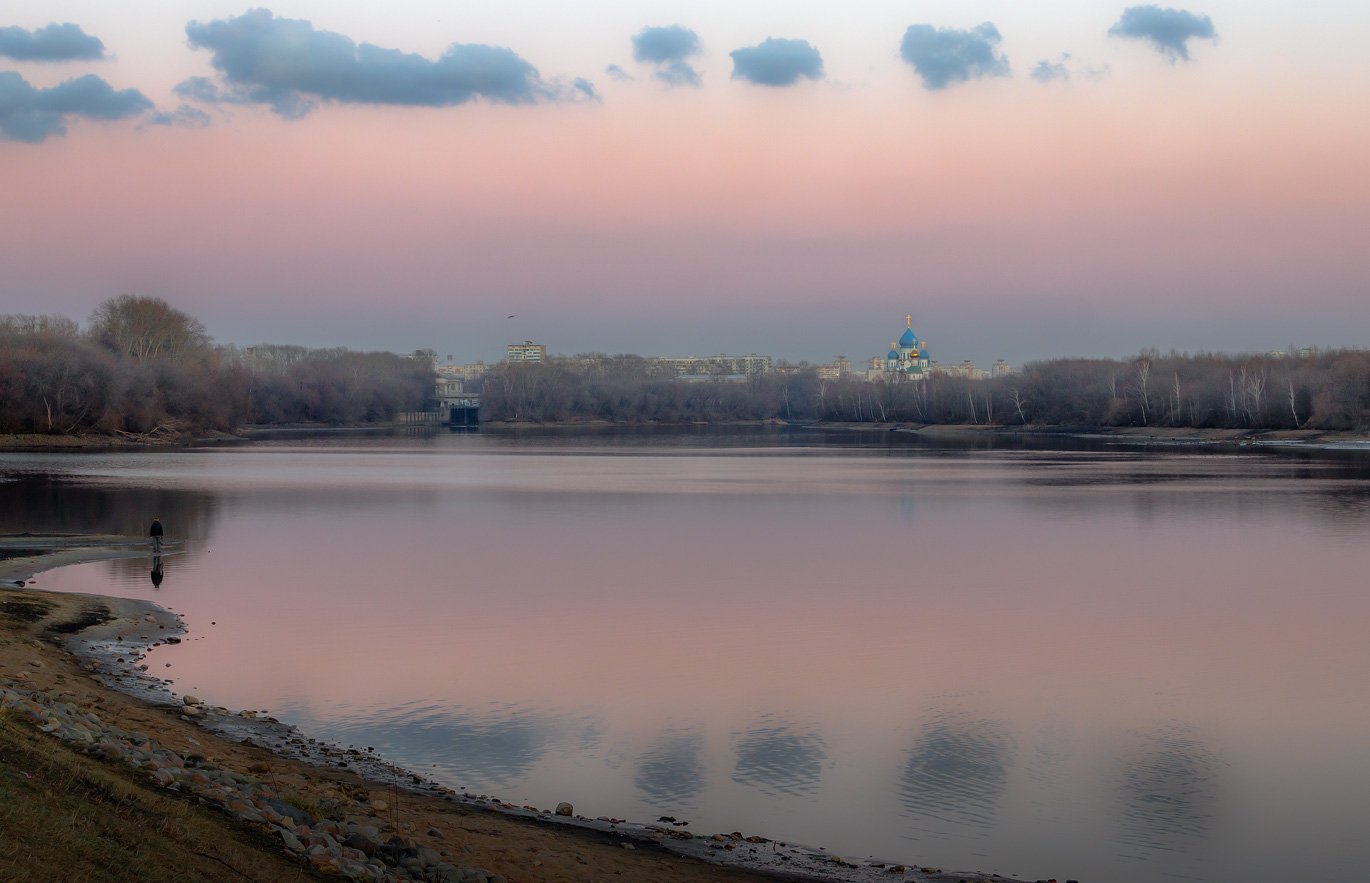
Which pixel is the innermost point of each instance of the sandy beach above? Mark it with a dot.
(69, 660)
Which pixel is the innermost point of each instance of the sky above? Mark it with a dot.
(1028, 180)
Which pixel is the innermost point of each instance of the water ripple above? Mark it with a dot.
(1168, 793)
(671, 772)
(957, 771)
(780, 760)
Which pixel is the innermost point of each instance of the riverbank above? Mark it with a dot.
(1140, 435)
(1298, 438)
(71, 666)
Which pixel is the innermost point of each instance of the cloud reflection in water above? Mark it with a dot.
(495, 748)
(670, 773)
(956, 772)
(780, 760)
(1169, 793)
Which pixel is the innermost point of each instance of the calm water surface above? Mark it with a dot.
(1107, 665)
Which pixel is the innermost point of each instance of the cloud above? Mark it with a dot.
(1168, 30)
(947, 55)
(618, 73)
(54, 42)
(183, 116)
(1049, 71)
(585, 89)
(777, 62)
(668, 48)
(201, 89)
(291, 67)
(33, 115)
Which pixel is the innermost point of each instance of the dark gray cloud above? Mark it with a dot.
(1049, 71)
(54, 42)
(184, 116)
(201, 89)
(1168, 30)
(33, 115)
(777, 62)
(585, 89)
(943, 56)
(290, 66)
(668, 48)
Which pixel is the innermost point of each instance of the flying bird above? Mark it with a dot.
(511, 317)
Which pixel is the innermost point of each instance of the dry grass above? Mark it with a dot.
(64, 816)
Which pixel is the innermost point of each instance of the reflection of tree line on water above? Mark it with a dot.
(48, 504)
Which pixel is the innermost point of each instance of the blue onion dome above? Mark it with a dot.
(909, 339)
(892, 354)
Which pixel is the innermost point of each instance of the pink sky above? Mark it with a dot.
(1215, 203)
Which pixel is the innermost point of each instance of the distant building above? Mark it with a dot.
(721, 365)
(908, 357)
(526, 352)
(712, 378)
(456, 406)
(836, 371)
(966, 369)
(1000, 369)
(469, 371)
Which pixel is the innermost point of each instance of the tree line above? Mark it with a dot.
(1322, 390)
(142, 368)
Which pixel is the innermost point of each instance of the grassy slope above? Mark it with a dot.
(64, 816)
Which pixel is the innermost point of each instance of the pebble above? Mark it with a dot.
(355, 853)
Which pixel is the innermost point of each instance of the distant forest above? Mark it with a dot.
(1324, 390)
(142, 369)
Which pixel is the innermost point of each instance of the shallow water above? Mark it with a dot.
(1102, 664)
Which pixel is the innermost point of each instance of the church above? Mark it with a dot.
(908, 358)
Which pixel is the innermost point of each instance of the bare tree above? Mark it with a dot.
(1252, 389)
(46, 324)
(147, 328)
(1142, 380)
(1018, 403)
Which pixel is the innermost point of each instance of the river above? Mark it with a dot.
(1073, 660)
